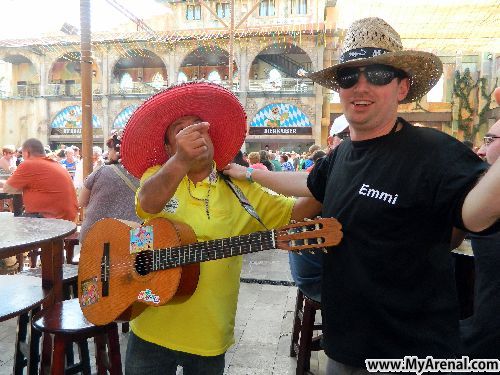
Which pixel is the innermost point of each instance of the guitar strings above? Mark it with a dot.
(130, 263)
(133, 263)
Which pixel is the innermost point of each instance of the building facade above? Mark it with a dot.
(273, 44)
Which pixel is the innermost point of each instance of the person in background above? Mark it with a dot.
(276, 164)
(8, 160)
(69, 162)
(46, 187)
(254, 161)
(338, 132)
(317, 155)
(286, 166)
(481, 332)
(97, 159)
(307, 160)
(264, 159)
(109, 191)
(388, 289)
(238, 159)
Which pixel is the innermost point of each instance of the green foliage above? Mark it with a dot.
(463, 86)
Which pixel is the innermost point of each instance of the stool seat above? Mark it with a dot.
(64, 317)
(70, 272)
(65, 320)
(19, 294)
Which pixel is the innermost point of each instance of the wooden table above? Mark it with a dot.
(20, 234)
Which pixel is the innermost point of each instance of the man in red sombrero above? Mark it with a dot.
(388, 289)
(177, 141)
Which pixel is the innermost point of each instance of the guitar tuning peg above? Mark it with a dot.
(293, 221)
(299, 252)
(324, 250)
(307, 219)
(313, 251)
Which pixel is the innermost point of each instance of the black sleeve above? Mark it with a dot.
(460, 173)
(318, 177)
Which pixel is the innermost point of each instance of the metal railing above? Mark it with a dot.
(286, 85)
(292, 85)
(138, 88)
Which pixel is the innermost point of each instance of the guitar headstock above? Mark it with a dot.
(309, 234)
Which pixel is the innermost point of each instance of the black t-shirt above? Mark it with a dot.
(388, 287)
(481, 332)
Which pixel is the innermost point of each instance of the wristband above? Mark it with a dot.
(248, 174)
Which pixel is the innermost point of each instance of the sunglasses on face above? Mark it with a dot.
(488, 140)
(379, 75)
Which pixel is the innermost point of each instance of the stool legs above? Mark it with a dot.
(304, 354)
(297, 323)
(302, 342)
(27, 352)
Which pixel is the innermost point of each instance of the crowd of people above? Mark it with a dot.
(405, 196)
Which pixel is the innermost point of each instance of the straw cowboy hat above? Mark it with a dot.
(373, 41)
(143, 140)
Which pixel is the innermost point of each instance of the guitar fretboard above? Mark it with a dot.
(211, 250)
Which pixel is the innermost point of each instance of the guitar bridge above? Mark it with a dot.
(105, 270)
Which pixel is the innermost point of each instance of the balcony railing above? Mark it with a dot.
(289, 85)
(22, 91)
(138, 88)
(70, 89)
(286, 85)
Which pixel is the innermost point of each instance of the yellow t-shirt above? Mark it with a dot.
(204, 323)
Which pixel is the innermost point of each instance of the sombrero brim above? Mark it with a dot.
(424, 70)
(143, 140)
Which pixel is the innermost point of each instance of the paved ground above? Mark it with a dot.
(263, 323)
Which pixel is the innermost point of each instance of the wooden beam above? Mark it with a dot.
(213, 13)
(248, 14)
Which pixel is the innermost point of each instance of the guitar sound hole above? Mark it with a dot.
(143, 262)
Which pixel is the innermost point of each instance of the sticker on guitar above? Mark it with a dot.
(141, 239)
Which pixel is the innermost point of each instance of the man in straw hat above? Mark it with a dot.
(388, 289)
(177, 141)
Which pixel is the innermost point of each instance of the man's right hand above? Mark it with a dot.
(192, 145)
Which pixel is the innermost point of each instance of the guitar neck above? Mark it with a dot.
(198, 252)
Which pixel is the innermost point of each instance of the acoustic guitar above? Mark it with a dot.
(117, 283)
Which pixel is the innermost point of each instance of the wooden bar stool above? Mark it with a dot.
(22, 296)
(66, 322)
(303, 342)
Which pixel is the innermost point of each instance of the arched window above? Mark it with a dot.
(214, 76)
(275, 78)
(182, 77)
(436, 93)
(126, 82)
(157, 81)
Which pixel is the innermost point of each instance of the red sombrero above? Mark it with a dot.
(142, 144)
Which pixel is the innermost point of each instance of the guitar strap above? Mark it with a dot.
(124, 177)
(243, 200)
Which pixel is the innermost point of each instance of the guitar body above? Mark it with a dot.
(109, 285)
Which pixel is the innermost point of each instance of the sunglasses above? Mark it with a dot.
(489, 139)
(378, 75)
